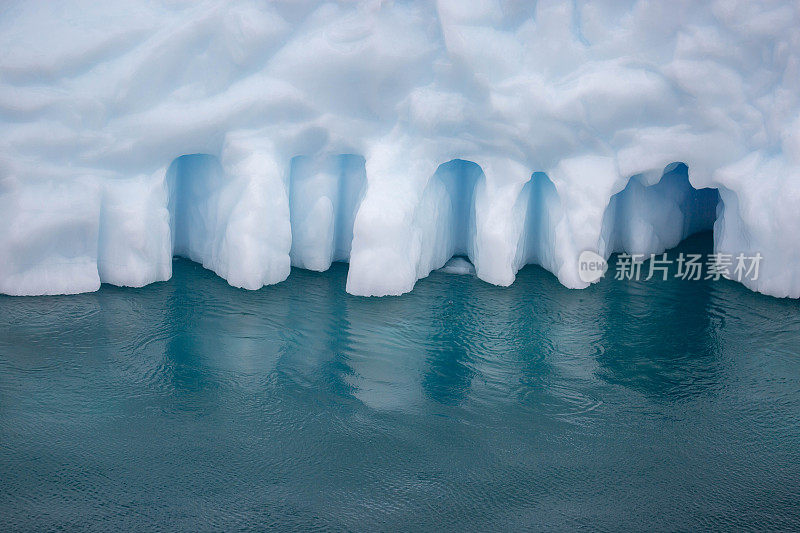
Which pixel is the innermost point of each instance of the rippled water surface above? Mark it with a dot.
(193, 405)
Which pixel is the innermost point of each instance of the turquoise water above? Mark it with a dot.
(193, 405)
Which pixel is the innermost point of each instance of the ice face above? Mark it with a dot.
(250, 136)
(134, 244)
(49, 248)
(232, 219)
(325, 195)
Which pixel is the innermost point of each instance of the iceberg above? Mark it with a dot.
(256, 136)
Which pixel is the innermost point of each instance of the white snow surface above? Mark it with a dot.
(251, 136)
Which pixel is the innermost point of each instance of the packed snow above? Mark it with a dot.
(252, 136)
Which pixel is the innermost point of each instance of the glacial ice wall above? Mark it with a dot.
(252, 136)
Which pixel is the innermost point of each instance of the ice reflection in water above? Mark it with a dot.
(190, 404)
